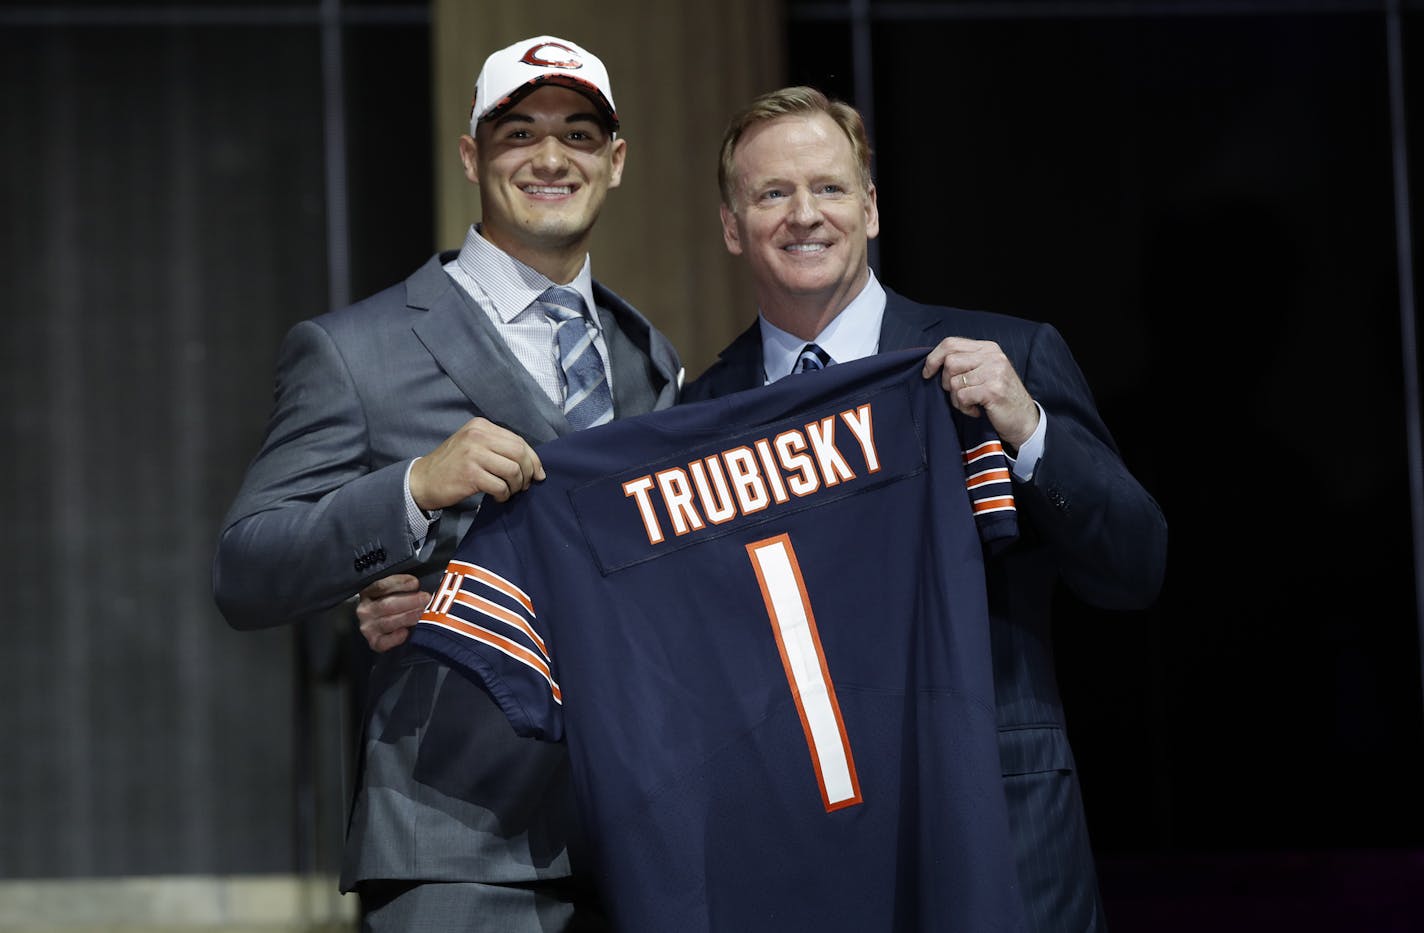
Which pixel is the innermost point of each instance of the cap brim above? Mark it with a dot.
(587, 89)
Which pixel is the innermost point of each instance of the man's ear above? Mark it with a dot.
(619, 155)
(470, 158)
(872, 215)
(730, 234)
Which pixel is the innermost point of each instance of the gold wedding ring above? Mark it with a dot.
(964, 380)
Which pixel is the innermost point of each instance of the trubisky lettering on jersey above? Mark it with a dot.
(749, 477)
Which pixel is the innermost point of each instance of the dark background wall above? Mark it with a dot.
(1201, 197)
(166, 218)
(1204, 206)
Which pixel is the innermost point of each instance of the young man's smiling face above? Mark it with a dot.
(544, 168)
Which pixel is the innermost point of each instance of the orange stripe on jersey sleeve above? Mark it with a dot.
(496, 611)
(986, 477)
(500, 643)
(494, 581)
(986, 449)
(994, 504)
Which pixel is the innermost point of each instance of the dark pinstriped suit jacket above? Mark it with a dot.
(1084, 520)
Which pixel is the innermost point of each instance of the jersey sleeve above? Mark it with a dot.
(987, 480)
(484, 624)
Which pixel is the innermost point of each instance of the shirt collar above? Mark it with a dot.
(509, 284)
(852, 334)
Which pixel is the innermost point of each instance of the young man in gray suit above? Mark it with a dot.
(799, 206)
(392, 419)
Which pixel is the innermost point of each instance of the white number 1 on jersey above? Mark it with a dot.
(793, 623)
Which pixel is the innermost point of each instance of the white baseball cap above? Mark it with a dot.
(513, 72)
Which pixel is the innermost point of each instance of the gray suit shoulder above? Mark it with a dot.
(390, 307)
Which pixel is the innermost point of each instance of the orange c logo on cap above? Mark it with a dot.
(535, 57)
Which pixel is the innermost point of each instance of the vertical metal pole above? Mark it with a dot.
(338, 262)
(338, 268)
(1404, 248)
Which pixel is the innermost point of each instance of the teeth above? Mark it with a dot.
(805, 247)
(548, 189)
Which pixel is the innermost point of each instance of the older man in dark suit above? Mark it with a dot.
(393, 418)
(799, 206)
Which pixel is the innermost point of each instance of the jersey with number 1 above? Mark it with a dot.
(760, 623)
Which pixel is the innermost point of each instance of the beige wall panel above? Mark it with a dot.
(678, 72)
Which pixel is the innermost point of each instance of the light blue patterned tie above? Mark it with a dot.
(587, 401)
(811, 359)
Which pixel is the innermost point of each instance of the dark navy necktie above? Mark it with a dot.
(587, 401)
(811, 359)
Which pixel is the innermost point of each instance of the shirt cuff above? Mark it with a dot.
(1031, 451)
(418, 521)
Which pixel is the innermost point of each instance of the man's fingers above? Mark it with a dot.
(504, 475)
(388, 640)
(395, 583)
(954, 355)
(497, 487)
(933, 361)
(479, 457)
(526, 468)
(411, 604)
(385, 641)
(386, 622)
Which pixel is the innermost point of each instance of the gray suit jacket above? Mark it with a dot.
(445, 789)
(1085, 520)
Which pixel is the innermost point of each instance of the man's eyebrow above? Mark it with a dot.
(513, 117)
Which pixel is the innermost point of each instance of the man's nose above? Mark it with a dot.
(549, 155)
(805, 211)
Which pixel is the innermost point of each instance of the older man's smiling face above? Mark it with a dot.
(803, 219)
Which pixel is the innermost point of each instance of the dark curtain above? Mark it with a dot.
(165, 220)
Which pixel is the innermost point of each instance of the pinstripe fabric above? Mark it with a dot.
(1112, 558)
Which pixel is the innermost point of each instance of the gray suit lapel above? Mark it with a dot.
(469, 349)
(643, 380)
(632, 394)
(472, 353)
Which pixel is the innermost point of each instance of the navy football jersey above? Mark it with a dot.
(760, 623)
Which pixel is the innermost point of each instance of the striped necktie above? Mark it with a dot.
(587, 401)
(811, 359)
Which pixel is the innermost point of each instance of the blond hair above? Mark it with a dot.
(791, 101)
